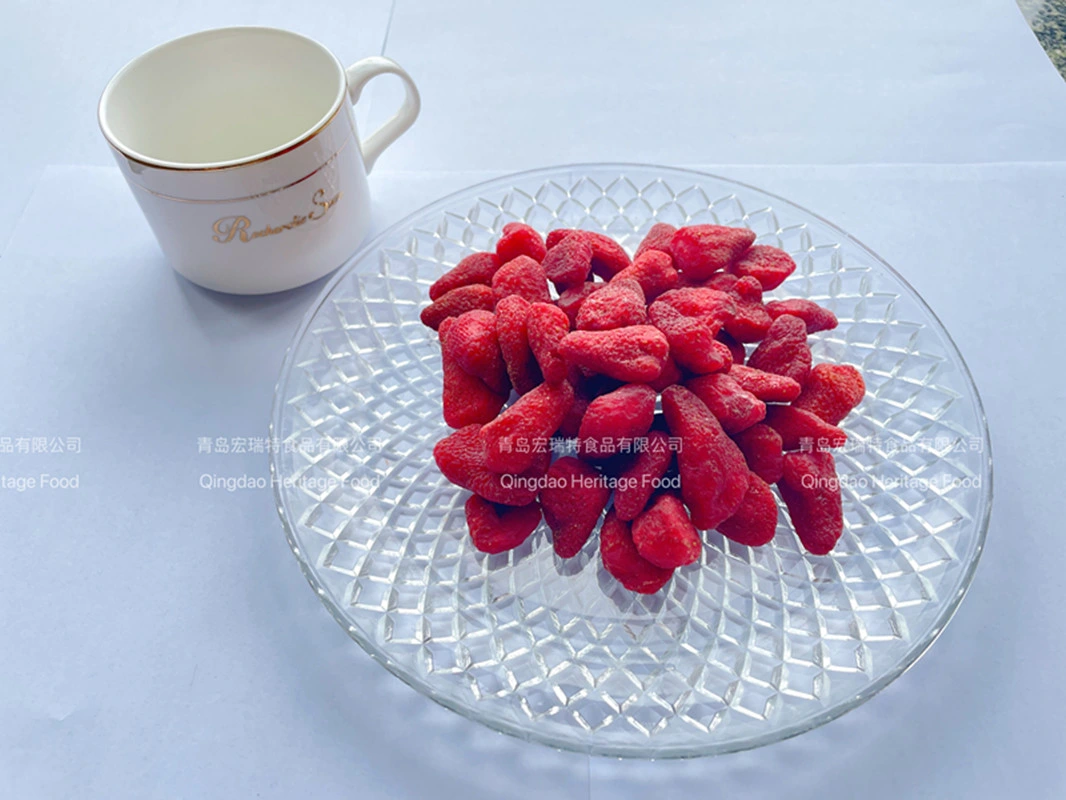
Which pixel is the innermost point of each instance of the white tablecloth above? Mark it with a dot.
(156, 638)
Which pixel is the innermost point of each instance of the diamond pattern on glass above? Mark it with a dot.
(746, 646)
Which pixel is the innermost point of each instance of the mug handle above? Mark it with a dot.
(359, 74)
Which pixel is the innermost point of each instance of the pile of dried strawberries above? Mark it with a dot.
(589, 365)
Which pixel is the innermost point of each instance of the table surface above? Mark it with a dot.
(158, 640)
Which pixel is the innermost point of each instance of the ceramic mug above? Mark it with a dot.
(241, 148)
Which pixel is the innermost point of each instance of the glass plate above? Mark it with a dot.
(745, 647)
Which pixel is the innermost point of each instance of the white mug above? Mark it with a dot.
(241, 149)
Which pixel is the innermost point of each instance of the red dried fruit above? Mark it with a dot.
(608, 257)
(751, 321)
(784, 350)
(658, 238)
(692, 341)
(831, 391)
(621, 559)
(815, 317)
(722, 282)
(456, 302)
(634, 355)
(518, 239)
(638, 481)
(510, 439)
(768, 265)
(571, 424)
(570, 300)
(714, 476)
(522, 276)
(811, 490)
(554, 237)
(513, 335)
(472, 341)
(461, 458)
(497, 530)
(573, 498)
(477, 268)
(763, 451)
(736, 349)
(755, 521)
(766, 386)
(617, 304)
(709, 305)
(801, 429)
(466, 399)
(735, 408)
(569, 262)
(670, 375)
(546, 326)
(701, 250)
(653, 270)
(664, 534)
(625, 413)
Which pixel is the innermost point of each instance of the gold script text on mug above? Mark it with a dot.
(227, 228)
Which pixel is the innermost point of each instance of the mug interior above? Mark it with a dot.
(221, 97)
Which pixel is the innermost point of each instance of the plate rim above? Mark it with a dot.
(910, 657)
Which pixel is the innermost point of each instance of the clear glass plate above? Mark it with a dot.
(744, 648)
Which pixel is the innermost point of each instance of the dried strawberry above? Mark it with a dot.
(510, 439)
(811, 490)
(801, 429)
(692, 340)
(670, 375)
(608, 257)
(816, 317)
(573, 499)
(477, 268)
(522, 276)
(569, 262)
(621, 559)
(714, 476)
(456, 302)
(653, 270)
(755, 521)
(497, 529)
(713, 307)
(512, 331)
(518, 239)
(466, 399)
(625, 413)
(784, 350)
(571, 424)
(701, 250)
(664, 534)
(617, 304)
(831, 391)
(635, 354)
(570, 300)
(768, 265)
(554, 237)
(658, 238)
(752, 320)
(763, 451)
(735, 408)
(461, 458)
(546, 326)
(471, 339)
(642, 477)
(766, 386)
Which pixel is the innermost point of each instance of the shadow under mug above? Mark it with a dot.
(241, 148)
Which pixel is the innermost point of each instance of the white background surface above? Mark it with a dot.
(157, 639)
